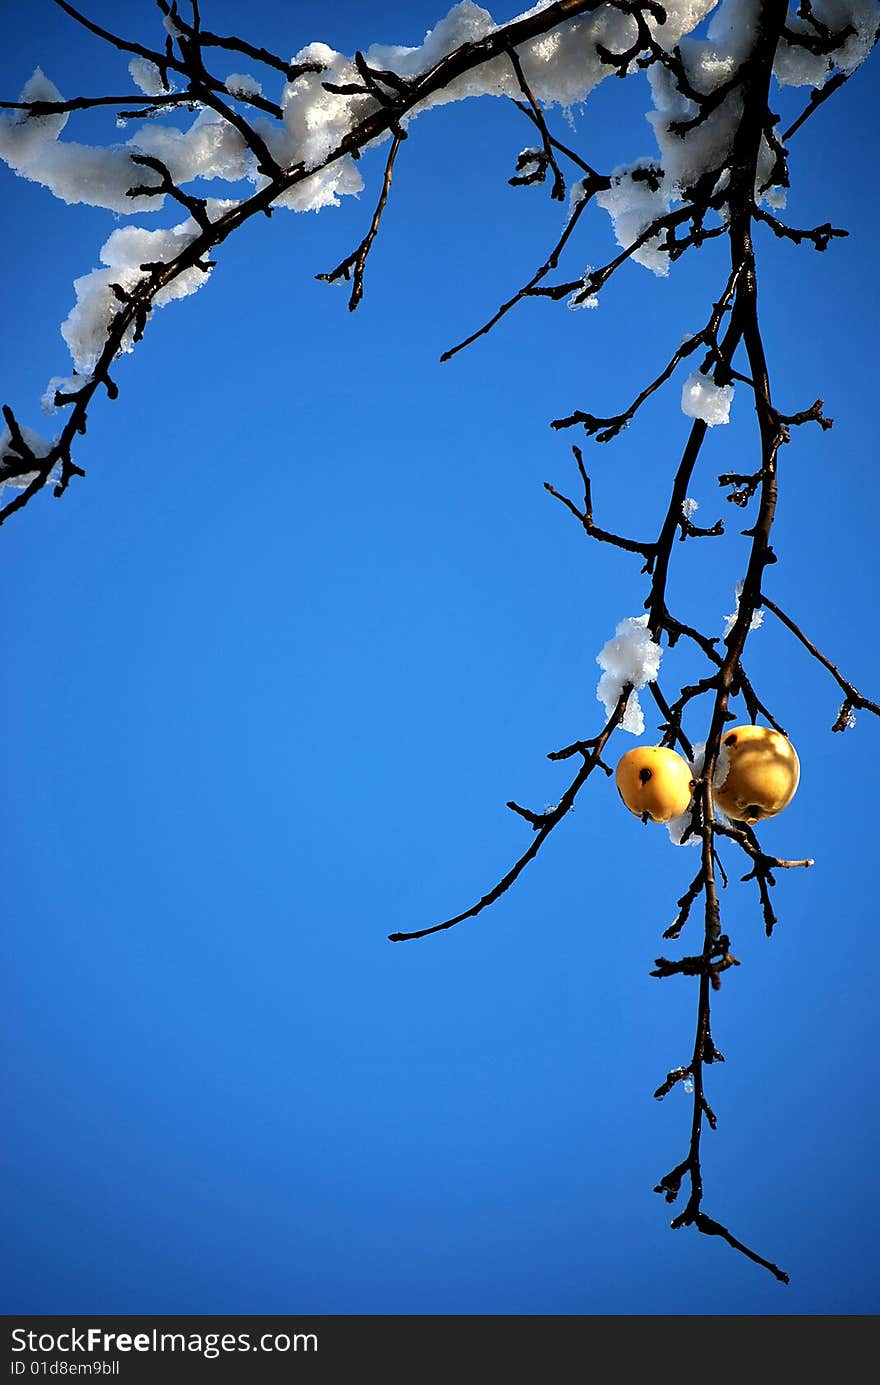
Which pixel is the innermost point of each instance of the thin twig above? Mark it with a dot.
(557, 192)
(647, 550)
(854, 698)
(604, 429)
(569, 153)
(591, 752)
(550, 263)
(817, 99)
(352, 267)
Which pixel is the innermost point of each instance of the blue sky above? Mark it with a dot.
(276, 666)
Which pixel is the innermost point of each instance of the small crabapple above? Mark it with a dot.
(654, 782)
(756, 774)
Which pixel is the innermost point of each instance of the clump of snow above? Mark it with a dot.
(85, 328)
(702, 398)
(323, 188)
(561, 67)
(59, 384)
(633, 204)
(210, 148)
(73, 172)
(9, 458)
(698, 758)
(31, 439)
(576, 192)
(688, 155)
(316, 119)
(102, 176)
(754, 624)
(146, 75)
(315, 122)
(678, 827)
(797, 67)
(679, 830)
(689, 507)
(465, 23)
(581, 298)
(722, 769)
(25, 132)
(242, 84)
(80, 173)
(632, 659)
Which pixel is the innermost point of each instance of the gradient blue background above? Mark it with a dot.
(273, 670)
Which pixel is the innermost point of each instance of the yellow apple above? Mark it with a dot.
(654, 783)
(756, 775)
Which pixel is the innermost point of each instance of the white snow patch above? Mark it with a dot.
(630, 658)
(581, 299)
(677, 828)
(73, 172)
(634, 204)
(38, 446)
(794, 66)
(21, 134)
(757, 617)
(702, 398)
(561, 67)
(242, 84)
(697, 758)
(710, 63)
(316, 120)
(86, 326)
(146, 75)
(210, 148)
(103, 176)
(722, 769)
(59, 384)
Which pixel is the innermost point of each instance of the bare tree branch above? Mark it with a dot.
(558, 189)
(352, 267)
(854, 701)
(591, 752)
